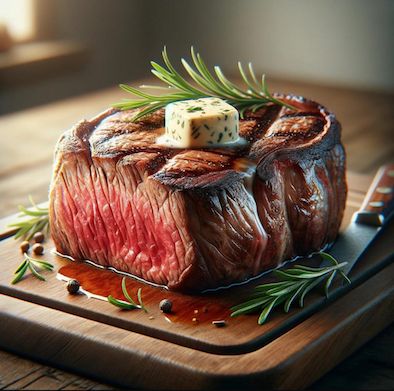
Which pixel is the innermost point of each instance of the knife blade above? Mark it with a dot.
(376, 210)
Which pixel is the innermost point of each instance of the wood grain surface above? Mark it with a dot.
(291, 361)
(190, 321)
(25, 167)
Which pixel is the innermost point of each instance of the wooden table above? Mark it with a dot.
(26, 150)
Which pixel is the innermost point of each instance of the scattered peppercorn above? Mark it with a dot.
(38, 237)
(73, 286)
(25, 245)
(38, 248)
(166, 305)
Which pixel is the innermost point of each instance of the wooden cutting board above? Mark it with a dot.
(184, 349)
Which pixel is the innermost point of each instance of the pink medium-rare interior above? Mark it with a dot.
(113, 221)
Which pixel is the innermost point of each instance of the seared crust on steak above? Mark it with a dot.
(193, 219)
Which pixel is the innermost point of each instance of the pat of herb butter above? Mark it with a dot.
(201, 123)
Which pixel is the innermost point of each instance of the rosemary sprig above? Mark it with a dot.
(39, 220)
(124, 305)
(254, 97)
(297, 282)
(30, 263)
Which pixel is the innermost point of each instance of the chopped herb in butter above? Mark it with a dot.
(203, 122)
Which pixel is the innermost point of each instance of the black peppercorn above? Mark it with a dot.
(166, 305)
(73, 286)
(38, 237)
(25, 245)
(38, 249)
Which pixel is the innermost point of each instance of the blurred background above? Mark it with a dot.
(51, 50)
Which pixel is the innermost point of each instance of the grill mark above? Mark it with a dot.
(301, 114)
(155, 164)
(270, 114)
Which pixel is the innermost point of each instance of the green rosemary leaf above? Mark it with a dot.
(121, 304)
(254, 98)
(264, 288)
(28, 212)
(295, 272)
(148, 110)
(37, 228)
(328, 257)
(250, 85)
(167, 88)
(344, 276)
(266, 311)
(309, 287)
(300, 274)
(127, 293)
(251, 71)
(42, 264)
(250, 309)
(21, 266)
(186, 86)
(21, 273)
(136, 92)
(296, 283)
(328, 283)
(249, 306)
(309, 269)
(127, 306)
(285, 275)
(34, 271)
(21, 232)
(140, 300)
(291, 298)
(331, 259)
(21, 224)
(242, 111)
(221, 92)
(36, 206)
(200, 64)
(38, 221)
(256, 107)
(165, 76)
(231, 88)
(28, 264)
(162, 71)
(285, 291)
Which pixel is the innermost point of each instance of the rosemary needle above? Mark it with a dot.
(255, 97)
(297, 282)
(124, 305)
(39, 219)
(31, 264)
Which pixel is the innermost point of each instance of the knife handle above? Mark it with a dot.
(378, 204)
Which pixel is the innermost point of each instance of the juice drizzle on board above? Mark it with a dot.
(210, 306)
(99, 283)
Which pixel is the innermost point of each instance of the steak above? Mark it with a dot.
(194, 219)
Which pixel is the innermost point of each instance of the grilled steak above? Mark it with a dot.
(198, 219)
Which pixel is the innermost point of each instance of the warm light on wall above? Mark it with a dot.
(18, 16)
